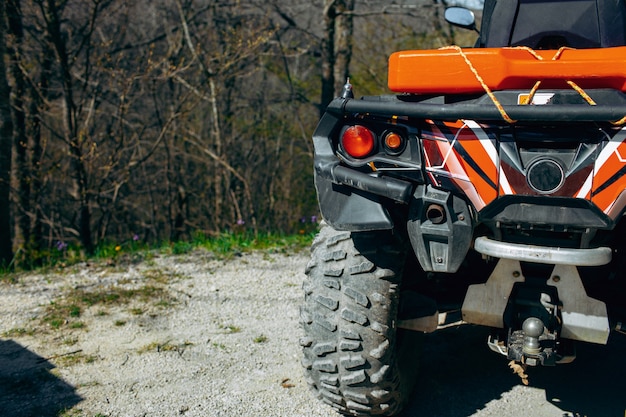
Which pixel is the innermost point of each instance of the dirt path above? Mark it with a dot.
(192, 335)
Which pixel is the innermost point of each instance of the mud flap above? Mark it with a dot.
(485, 303)
(584, 318)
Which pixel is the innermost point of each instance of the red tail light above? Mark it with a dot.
(357, 141)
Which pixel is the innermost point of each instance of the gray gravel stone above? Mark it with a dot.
(228, 346)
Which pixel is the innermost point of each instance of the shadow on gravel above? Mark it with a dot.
(27, 388)
(594, 385)
(459, 375)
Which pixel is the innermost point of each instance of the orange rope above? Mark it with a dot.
(492, 96)
(582, 93)
(619, 122)
(532, 92)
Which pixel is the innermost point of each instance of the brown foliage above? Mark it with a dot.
(165, 118)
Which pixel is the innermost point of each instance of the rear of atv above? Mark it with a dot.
(497, 208)
(437, 212)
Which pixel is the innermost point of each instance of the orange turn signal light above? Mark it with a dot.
(394, 142)
(357, 141)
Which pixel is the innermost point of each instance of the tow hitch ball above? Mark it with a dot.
(533, 345)
(532, 328)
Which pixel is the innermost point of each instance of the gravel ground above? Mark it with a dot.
(192, 335)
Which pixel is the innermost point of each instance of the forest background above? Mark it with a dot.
(159, 120)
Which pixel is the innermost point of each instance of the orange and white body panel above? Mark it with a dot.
(484, 163)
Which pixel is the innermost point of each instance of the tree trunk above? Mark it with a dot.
(38, 103)
(336, 48)
(343, 43)
(73, 138)
(328, 55)
(22, 212)
(6, 139)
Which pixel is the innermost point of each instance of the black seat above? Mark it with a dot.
(550, 24)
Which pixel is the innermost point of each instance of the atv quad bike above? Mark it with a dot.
(491, 190)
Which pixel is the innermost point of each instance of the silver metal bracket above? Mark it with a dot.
(584, 318)
(543, 254)
(485, 303)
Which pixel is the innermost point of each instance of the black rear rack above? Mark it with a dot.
(483, 109)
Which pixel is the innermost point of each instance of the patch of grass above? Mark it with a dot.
(119, 323)
(224, 245)
(7, 275)
(65, 313)
(55, 323)
(181, 248)
(20, 331)
(260, 339)
(70, 341)
(230, 244)
(155, 275)
(118, 296)
(230, 328)
(165, 347)
(75, 359)
(132, 250)
(163, 303)
(74, 311)
(219, 346)
(61, 313)
(160, 275)
(150, 347)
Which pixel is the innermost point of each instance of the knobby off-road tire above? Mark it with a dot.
(354, 358)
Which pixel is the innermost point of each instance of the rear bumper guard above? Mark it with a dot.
(543, 254)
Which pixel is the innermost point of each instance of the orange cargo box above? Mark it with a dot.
(449, 70)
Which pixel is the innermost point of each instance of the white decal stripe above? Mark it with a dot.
(610, 149)
(491, 150)
(456, 171)
(485, 141)
(504, 183)
(455, 168)
(585, 190)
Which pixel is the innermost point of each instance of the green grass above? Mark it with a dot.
(224, 245)
(230, 328)
(75, 359)
(165, 347)
(20, 331)
(228, 244)
(66, 313)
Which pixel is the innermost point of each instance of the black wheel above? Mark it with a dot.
(354, 357)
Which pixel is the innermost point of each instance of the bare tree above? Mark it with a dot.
(336, 47)
(72, 134)
(6, 139)
(164, 118)
(344, 29)
(23, 191)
